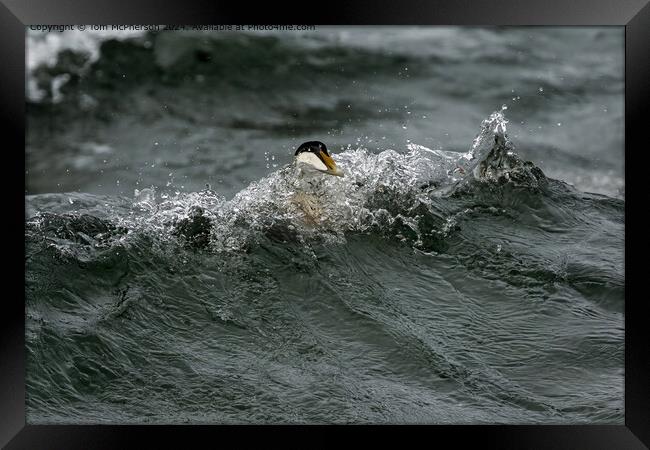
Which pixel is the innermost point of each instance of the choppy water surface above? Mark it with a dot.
(445, 280)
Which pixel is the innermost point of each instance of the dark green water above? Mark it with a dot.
(437, 286)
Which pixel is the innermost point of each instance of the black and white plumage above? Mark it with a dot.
(312, 160)
(313, 156)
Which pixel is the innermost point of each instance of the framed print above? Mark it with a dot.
(408, 215)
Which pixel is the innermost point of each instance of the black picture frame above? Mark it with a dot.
(634, 15)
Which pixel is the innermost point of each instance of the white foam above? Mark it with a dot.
(43, 49)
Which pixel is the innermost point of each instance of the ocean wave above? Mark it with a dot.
(422, 198)
(432, 201)
(426, 285)
(60, 55)
(387, 190)
(249, 59)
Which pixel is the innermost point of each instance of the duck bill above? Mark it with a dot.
(331, 165)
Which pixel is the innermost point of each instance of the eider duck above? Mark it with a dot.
(311, 161)
(313, 156)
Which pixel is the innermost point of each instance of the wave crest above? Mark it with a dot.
(405, 195)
